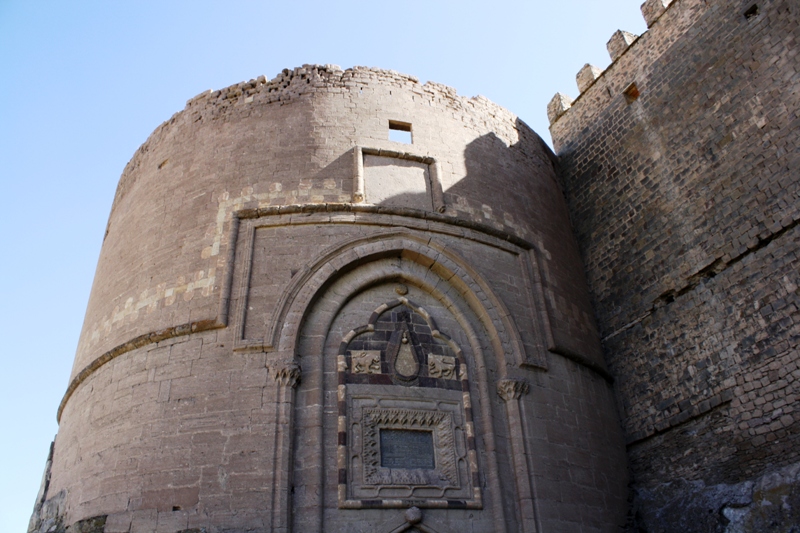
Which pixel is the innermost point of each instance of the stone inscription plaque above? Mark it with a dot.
(401, 448)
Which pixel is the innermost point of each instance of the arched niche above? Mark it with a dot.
(282, 330)
(405, 423)
(329, 480)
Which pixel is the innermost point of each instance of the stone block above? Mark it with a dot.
(558, 106)
(619, 42)
(653, 9)
(586, 76)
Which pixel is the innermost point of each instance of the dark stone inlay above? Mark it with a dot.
(409, 449)
(456, 504)
(390, 328)
(372, 504)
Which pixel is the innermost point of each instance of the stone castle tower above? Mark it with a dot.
(345, 301)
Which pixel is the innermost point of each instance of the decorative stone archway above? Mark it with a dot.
(343, 313)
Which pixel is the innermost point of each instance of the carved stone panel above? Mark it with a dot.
(441, 366)
(381, 423)
(407, 449)
(405, 429)
(366, 362)
(407, 469)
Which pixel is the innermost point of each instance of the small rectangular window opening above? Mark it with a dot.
(400, 131)
(751, 12)
(631, 93)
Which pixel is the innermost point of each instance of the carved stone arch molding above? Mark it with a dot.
(426, 376)
(281, 330)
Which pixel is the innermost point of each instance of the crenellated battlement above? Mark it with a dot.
(642, 49)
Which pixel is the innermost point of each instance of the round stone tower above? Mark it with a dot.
(338, 301)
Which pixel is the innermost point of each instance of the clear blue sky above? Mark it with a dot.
(82, 85)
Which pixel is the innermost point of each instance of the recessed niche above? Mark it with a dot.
(631, 92)
(751, 12)
(400, 132)
(397, 182)
(402, 448)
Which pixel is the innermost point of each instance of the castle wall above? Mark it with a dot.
(247, 264)
(685, 199)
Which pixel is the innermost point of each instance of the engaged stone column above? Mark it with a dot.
(287, 377)
(511, 390)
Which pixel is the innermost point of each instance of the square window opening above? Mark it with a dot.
(631, 92)
(400, 132)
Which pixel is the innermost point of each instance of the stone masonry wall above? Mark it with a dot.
(207, 393)
(685, 198)
(289, 141)
(182, 433)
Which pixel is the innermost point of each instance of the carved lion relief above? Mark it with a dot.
(441, 366)
(366, 362)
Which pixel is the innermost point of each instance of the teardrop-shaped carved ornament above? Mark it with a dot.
(405, 363)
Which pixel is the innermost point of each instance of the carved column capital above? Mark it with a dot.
(512, 389)
(286, 373)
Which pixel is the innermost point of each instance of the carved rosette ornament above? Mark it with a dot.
(286, 374)
(512, 389)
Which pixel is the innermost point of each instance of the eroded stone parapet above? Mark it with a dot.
(653, 9)
(619, 42)
(586, 76)
(558, 106)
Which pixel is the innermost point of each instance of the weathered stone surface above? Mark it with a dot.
(685, 204)
(280, 282)
(558, 106)
(586, 76)
(769, 504)
(95, 524)
(271, 223)
(653, 9)
(619, 43)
